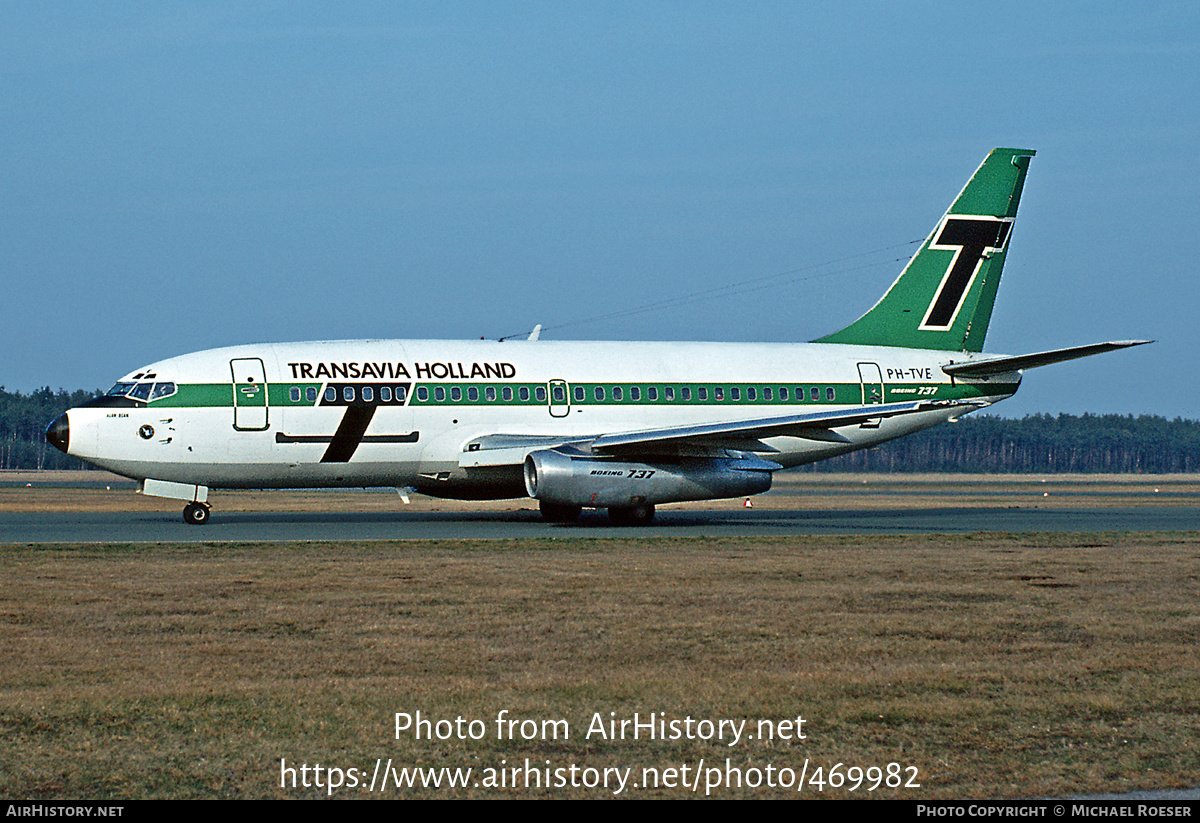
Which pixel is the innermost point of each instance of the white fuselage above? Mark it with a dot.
(231, 423)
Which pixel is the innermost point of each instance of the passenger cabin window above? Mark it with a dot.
(685, 394)
(751, 393)
(401, 393)
(598, 393)
(294, 394)
(368, 394)
(652, 393)
(580, 394)
(472, 394)
(829, 395)
(635, 393)
(456, 394)
(702, 393)
(618, 393)
(422, 394)
(669, 394)
(310, 394)
(489, 394)
(330, 394)
(540, 393)
(439, 394)
(524, 393)
(506, 393)
(814, 394)
(735, 393)
(348, 394)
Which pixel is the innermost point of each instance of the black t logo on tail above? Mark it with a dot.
(972, 239)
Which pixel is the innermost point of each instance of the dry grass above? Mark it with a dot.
(998, 665)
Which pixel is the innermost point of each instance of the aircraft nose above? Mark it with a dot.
(59, 433)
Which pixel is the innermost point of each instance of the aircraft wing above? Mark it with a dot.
(695, 440)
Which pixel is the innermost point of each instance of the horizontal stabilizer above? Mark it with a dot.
(1002, 365)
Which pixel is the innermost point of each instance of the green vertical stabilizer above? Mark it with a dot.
(943, 299)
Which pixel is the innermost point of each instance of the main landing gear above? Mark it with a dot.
(631, 515)
(557, 513)
(618, 515)
(196, 514)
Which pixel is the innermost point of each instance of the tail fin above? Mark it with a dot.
(943, 299)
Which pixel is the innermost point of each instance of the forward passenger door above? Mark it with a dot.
(250, 406)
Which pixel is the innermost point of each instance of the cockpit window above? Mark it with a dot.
(162, 390)
(146, 392)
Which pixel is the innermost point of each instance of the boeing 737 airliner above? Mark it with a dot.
(619, 426)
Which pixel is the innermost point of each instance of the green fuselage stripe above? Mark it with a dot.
(210, 395)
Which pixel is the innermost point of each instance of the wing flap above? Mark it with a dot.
(704, 439)
(815, 426)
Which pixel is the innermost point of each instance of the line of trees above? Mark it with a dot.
(978, 444)
(23, 422)
(1041, 443)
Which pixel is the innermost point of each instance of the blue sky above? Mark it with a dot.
(184, 176)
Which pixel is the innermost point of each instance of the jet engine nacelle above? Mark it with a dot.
(552, 476)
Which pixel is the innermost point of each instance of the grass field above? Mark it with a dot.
(994, 665)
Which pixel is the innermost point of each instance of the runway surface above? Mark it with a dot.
(164, 527)
(95, 507)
